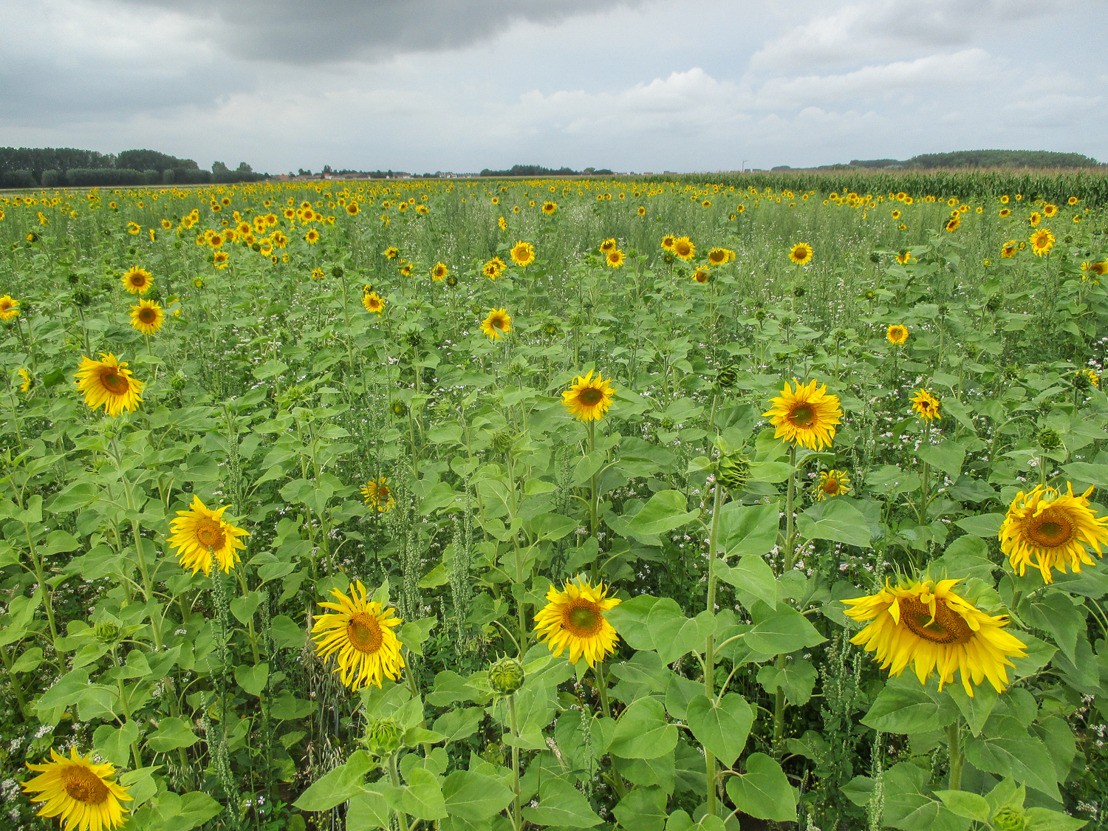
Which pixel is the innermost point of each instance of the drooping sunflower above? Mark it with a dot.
(897, 334)
(498, 322)
(549, 207)
(137, 281)
(904, 257)
(9, 307)
(719, 256)
(82, 794)
(926, 405)
(574, 619)
(147, 316)
(360, 634)
(589, 398)
(378, 495)
(109, 383)
(1009, 249)
(806, 415)
(1048, 529)
(608, 245)
(373, 302)
(1042, 241)
(831, 483)
(439, 272)
(952, 224)
(202, 536)
(926, 624)
(702, 275)
(27, 380)
(801, 253)
(493, 268)
(392, 252)
(523, 253)
(684, 248)
(615, 258)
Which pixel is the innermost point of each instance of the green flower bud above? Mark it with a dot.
(1049, 439)
(106, 632)
(502, 440)
(727, 377)
(399, 409)
(1009, 819)
(733, 471)
(383, 736)
(506, 676)
(337, 271)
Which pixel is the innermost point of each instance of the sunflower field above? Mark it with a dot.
(519, 504)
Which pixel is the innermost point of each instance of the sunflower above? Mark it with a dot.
(373, 302)
(201, 535)
(439, 272)
(831, 483)
(896, 214)
(392, 252)
(574, 618)
(549, 207)
(926, 405)
(1005, 213)
(360, 632)
(137, 281)
(493, 268)
(702, 275)
(1049, 529)
(378, 495)
(608, 245)
(719, 256)
(683, 247)
(1008, 250)
(806, 415)
(904, 257)
(132, 227)
(1035, 219)
(641, 211)
(497, 322)
(9, 307)
(897, 334)
(110, 383)
(801, 253)
(523, 253)
(220, 258)
(1042, 241)
(147, 317)
(1049, 210)
(668, 242)
(27, 380)
(615, 258)
(589, 398)
(952, 224)
(352, 208)
(312, 237)
(928, 625)
(82, 794)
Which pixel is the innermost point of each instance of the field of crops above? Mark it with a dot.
(505, 504)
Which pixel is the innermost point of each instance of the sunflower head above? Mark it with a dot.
(9, 307)
(831, 483)
(523, 253)
(373, 303)
(439, 272)
(147, 317)
(377, 495)
(1042, 241)
(1048, 529)
(897, 334)
(81, 793)
(498, 322)
(614, 258)
(806, 416)
(201, 537)
(589, 398)
(493, 268)
(137, 281)
(109, 383)
(926, 405)
(574, 619)
(801, 253)
(684, 248)
(358, 632)
(928, 625)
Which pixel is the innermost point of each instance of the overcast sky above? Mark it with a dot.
(633, 85)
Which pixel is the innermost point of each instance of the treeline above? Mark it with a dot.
(1035, 159)
(538, 171)
(51, 167)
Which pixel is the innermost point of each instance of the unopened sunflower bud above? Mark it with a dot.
(337, 271)
(383, 736)
(1009, 819)
(502, 440)
(733, 471)
(727, 377)
(506, 676)
(1049, 439)
(106, 631)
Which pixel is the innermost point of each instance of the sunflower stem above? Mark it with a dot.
(136, 532)
(605, 707)
(790, 560)
(594, 519)
(710, 642)
(954, 748)
(394, 777)
(513, 720)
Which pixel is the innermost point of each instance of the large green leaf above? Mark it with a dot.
(642, 731)
(561, 805)
(837, 520)
(664, 512)
(721, 727)
(748, 529)
(475, 796)
(763, 791)
(338, 785)
(644, 809)
(752, 578)
(780, 630)
(423, 798)
(1006, 749)
(908, 708)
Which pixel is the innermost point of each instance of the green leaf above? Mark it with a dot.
(171, 734)
(837, 520)
(1006, 749)
(796, 678)
(1055, 613)
(475, 796)
(908, 708)
(561, 804)
(252, 678)
(674, 635)
(748, 529)
(1086, 473)
(722, 728)
(68, 689)
(966, 804)
(946, 456)
(423, 798)
(752, 578)
(763, 791)
(114, 743)
(780, 630)
(77, 495)
(455, 725)
(338, 785)
(982, 525)
(644, 809)
(642, 731)
(1044, 819)
(370, 810)
(664, 512)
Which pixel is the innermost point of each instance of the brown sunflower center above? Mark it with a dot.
(803, 415)
(831, 486)
(83, 785)
(716, 257)
(582, 619)
(148, 315)
(948, 627)
(138, 280)
(1051, 529)
(499, 323)
(683, 249)
(590, 396)
(364, 632)
(114, 382)
(209, 533)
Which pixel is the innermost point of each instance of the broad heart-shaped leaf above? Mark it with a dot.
(115, 742)
(338, 785)
(910, 806)
(837, 520)
(475, 796)
(642, 731)
(780, 630)
(561, 805)
(664, 512)
(796, 677)
(1005, 748)
(252, 678)
(171, 734)
(752, 578)
(904, 706)
(680, 821)
(423, 798)
(763, 791)
(721, 728)
(748, 529)
(946, 456)
(644, 809)
(369, 811)
(646, 622)
(1055, 613)
(965, 804)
